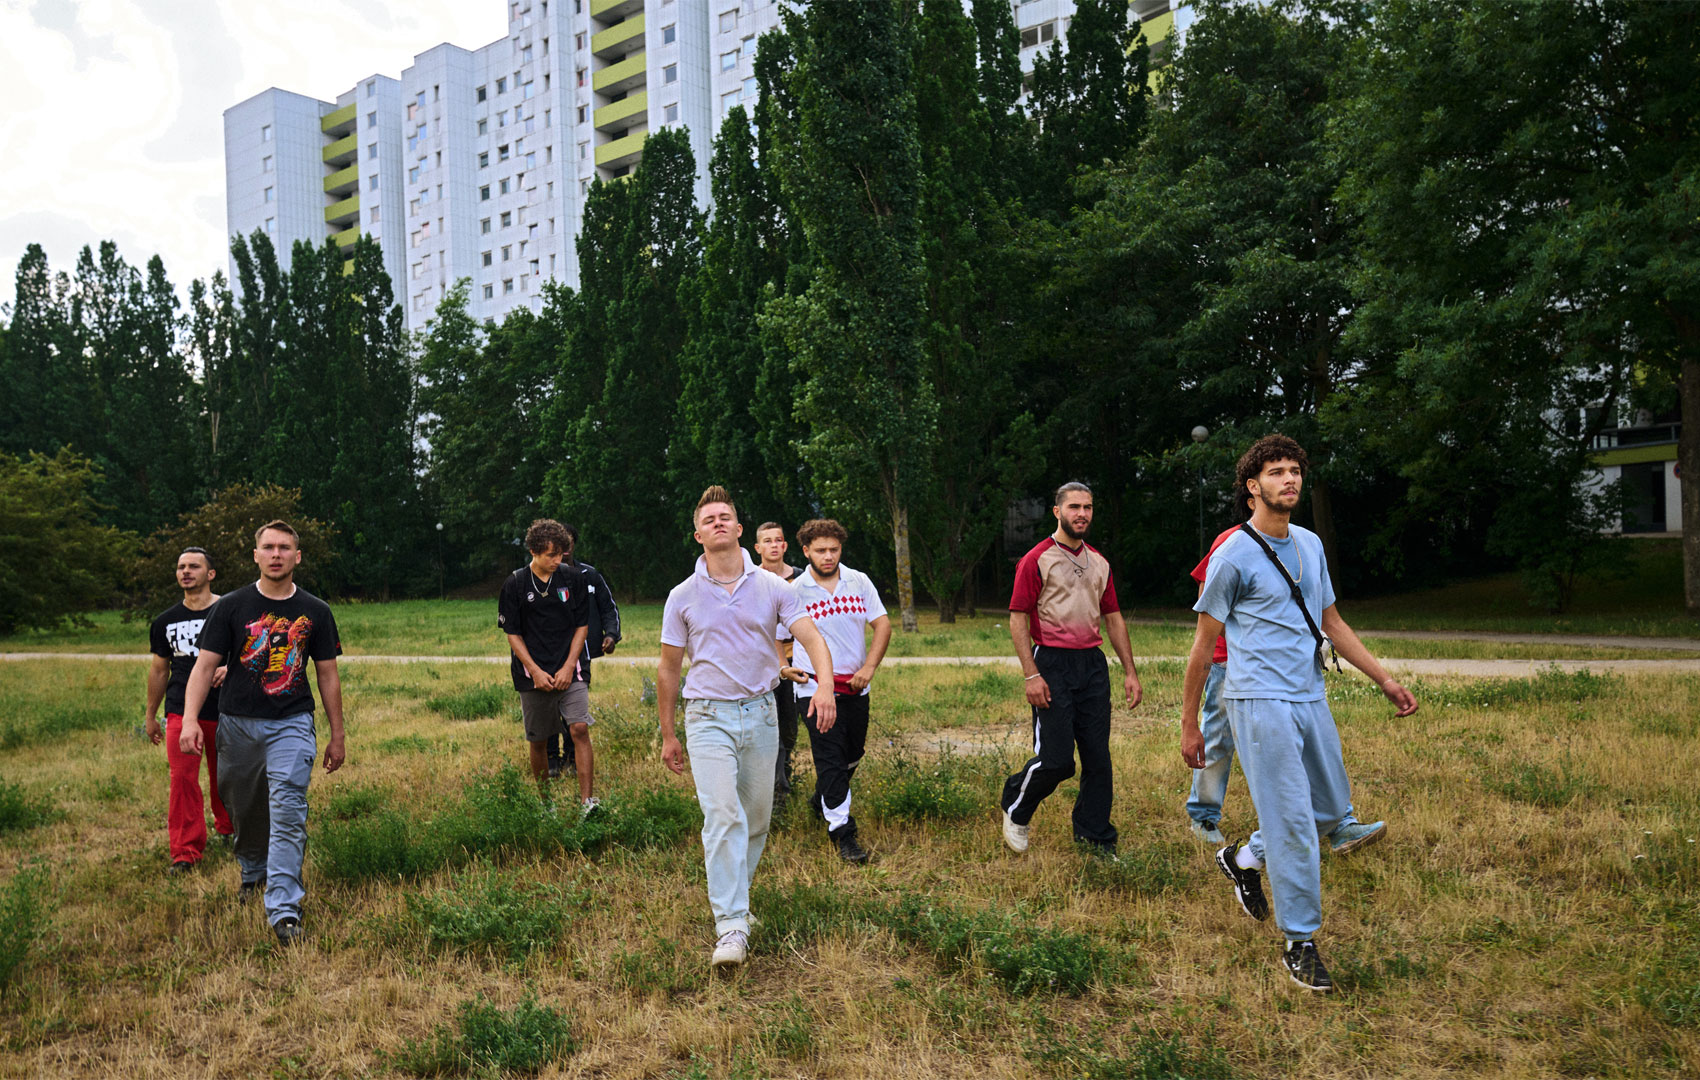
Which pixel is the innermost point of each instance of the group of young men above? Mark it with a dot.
(1266, 621)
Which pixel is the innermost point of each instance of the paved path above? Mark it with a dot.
(1493, 669)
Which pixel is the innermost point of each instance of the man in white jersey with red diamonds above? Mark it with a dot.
(844, 604)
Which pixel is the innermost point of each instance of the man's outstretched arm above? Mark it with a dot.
(1346, 643)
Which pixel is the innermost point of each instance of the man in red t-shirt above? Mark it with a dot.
(1062, 589)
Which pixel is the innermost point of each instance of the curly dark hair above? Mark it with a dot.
(547, 533)
(1276, 447)
(821, 527)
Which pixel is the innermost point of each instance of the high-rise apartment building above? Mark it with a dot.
(475, 163)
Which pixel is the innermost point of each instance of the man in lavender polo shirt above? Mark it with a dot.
(724, 616)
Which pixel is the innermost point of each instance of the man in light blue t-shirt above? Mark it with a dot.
(1277, 706)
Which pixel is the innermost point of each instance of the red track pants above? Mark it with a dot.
(185, 814)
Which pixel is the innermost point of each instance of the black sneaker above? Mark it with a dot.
(181, 866)
(1248, 884)
(1304, 965)
(848, 849)
(248, 890)
(288, 929)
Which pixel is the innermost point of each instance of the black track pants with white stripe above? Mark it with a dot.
(1079, 715)
(837, 753)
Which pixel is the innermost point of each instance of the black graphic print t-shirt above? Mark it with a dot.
(176, 636)
(267, 644)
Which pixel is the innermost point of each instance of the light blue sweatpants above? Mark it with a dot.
(263, 769)
(733, 746)
(1290, 754)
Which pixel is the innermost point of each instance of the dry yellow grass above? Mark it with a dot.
(1505, 928)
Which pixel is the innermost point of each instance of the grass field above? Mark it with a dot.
(1532, 914)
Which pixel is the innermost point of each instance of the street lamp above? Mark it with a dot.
(1199, 434)
(440, 593)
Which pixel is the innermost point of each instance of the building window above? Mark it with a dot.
(419, 99)
(271, 225)
(481, 94)
(484, 193)
(372, 183)
(371, 120)
(581, 76)
(502, 119)
(507, 252)
(266, 164)
(529, 90)
(501, 86)
(531, 160)
(484, 159)
(583, 150)
(729, 60)
(485, 258)
(669, 33)
(670, 73)
(578, 40)
(413, 175)
(505, 185)
(507, 286)
(584, 187)
(265, 133)
(545, 46)
(507, 218)
(489, 292)
(750, 88)
(728, 21)
(372, 88)
(371, 151)
(373, 215)
(748, 47)
(484, 226)
(412, 111)
(270, 192)
(729, 100)
(484, 126)
(1037, 35)
(525, 55)
(670, 114)
(502, 152)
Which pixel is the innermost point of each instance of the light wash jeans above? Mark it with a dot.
(1210, 784)
(263, 770)
(1290, 754)
(733, 747)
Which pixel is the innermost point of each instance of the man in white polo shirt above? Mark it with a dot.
(843, 603)
(724, 616)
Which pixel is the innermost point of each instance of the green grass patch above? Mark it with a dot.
(658, 966)
(952, 788)
(349, 801)
(1536, 784)
(20, 810)
(491, 913)
(476, 703)
(404, 744)
(1142, 1055)
(1149, 870)
(47, 713)
(24, 913)
(483, 1040)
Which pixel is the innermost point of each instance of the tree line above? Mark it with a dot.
(1442, 246)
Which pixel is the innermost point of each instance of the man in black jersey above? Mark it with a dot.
(599, 640)
(544, 608)
(174, 639)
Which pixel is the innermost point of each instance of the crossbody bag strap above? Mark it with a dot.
(1298, 597)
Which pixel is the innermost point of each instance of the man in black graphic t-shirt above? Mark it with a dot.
(268, 631)
(600, 638)
(174, 641)
(544, 610)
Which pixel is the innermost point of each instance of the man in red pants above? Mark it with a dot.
(175, 643)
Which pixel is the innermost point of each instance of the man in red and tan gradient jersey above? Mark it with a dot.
(1062, 589)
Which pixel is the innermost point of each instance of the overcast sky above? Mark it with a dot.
(111, 111)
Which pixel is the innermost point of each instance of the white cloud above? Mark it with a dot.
(112, 127)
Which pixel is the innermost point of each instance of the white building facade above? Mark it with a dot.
(475, 163)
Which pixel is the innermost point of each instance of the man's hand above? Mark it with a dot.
(155, 735)
(793, 674)
(1038, 691)
(542, 680)
(608, 644)
(1130, 686)
(333, 754)
(672, 754)
(864, 675)
(219, 673)
(823, 706)
(1192, 745)
(1398, 695)
(191, 741)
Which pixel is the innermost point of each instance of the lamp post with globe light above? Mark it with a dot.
(1199, 434)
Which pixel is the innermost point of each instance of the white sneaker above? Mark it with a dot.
(589, 806)
(731, 950)
(1014, 836)
(1210, 834)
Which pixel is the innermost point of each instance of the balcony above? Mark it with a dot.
(612, 11)
(617, 41)
(628, 74)
(346, 238)
(338, 123)
(621, 152)
(342, 152)
(345, 212)
(617, 114)
(343, 180)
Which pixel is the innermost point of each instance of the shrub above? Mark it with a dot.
(948, 790)
(364, 848)
(493, 912)
(23, 916)
(484, 1039)
(20, 810)
(355, 801)
(475, 703)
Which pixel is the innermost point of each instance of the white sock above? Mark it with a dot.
(1245, 860)
(1295, 941)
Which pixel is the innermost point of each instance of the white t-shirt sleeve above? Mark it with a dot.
(789, 603)
(871, 598)
(673, 629)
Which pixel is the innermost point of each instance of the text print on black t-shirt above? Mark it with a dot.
(276, 653)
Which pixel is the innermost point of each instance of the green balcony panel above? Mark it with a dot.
(620, 39)
(611, 78)
(341, 213)
(611, 115)
(343, 181)
(347, 267)
(346, 238)
(611, 155)
(342, 151)
(610, 11)
(332, 123)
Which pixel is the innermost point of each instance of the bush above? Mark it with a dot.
(20, 810)
(23, 916)
(355, 801)
(485, 1039)
(53, 557)
(951, 789)
(496, 913)
(475, 703)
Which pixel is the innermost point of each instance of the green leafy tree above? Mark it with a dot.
(56, 560)
(851, 183)
(39, 409)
